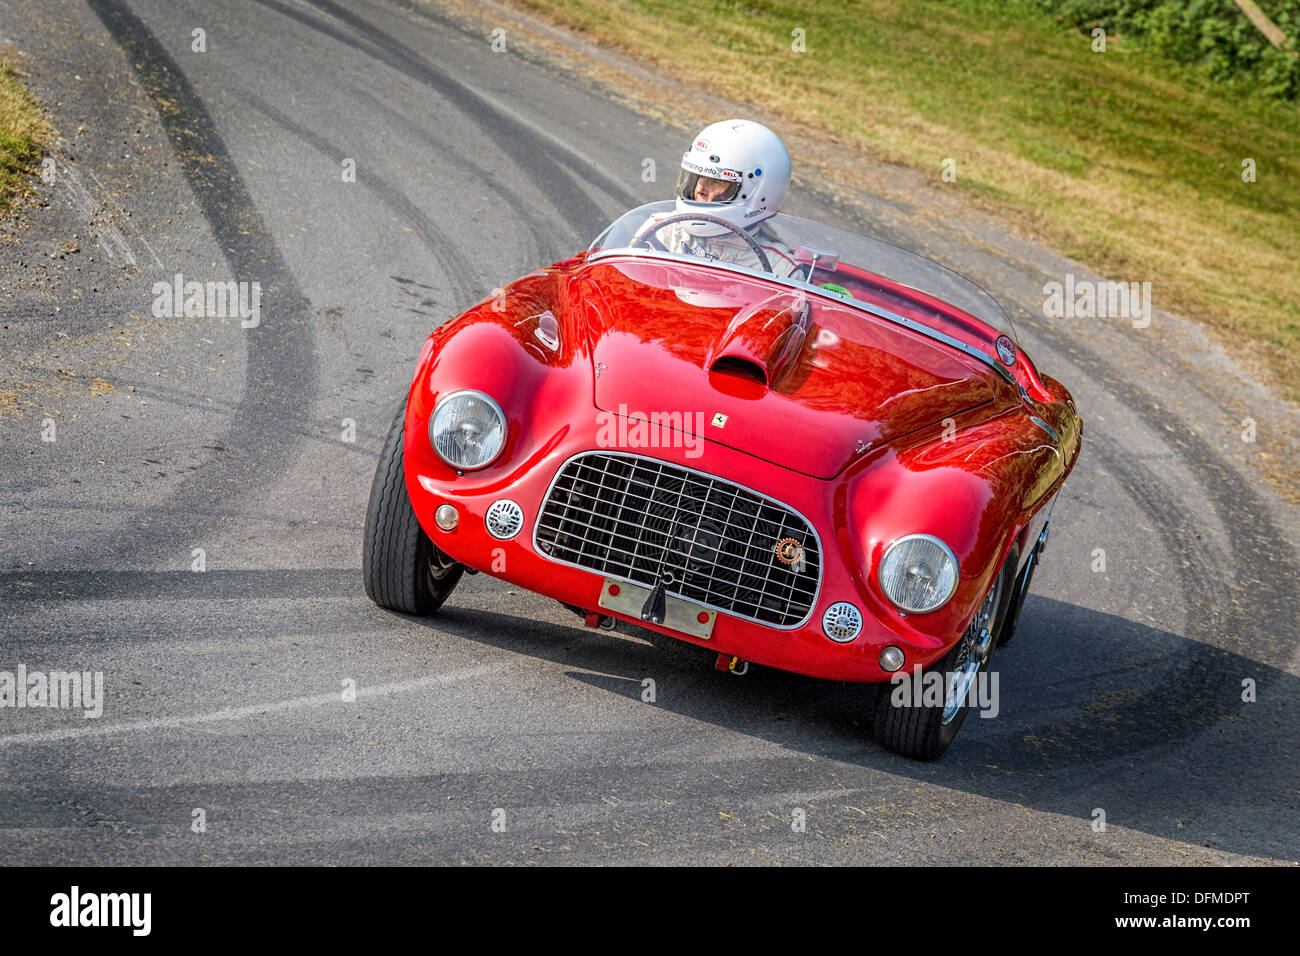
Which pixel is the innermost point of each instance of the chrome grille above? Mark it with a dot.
(635, 518)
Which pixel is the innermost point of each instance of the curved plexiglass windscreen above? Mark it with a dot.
(870, 274)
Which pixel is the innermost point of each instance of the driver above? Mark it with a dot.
(738, 171)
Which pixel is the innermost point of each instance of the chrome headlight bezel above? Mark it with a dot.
(487, 400)
(948, 552)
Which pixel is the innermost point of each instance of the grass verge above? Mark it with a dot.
(1114, 158)
(23, 132)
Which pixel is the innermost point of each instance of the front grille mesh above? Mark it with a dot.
(635, 518)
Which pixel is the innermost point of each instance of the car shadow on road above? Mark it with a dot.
(1152, 726)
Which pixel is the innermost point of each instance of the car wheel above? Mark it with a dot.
(403, 569)
(924, 731)
(1019, 591)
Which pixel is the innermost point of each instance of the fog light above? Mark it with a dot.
(891, 658)
(446, 517)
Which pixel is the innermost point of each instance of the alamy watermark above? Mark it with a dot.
(75, 908)
(1088, 299)
(932, 688)
(634, 429)
(213, 300)
(63, 690)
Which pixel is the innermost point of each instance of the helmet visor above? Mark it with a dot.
(697, 188)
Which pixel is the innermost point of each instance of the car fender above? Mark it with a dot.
(520, 348)
(976, 485)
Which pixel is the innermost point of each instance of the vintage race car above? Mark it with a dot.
(846, 471)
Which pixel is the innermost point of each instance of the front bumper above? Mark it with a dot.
(804, 649)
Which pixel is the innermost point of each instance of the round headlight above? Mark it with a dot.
(918, 573)
(467, 430)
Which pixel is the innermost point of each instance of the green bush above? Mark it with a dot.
(1213, 37)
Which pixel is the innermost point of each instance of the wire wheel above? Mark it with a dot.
(906, 724)
(973, 652)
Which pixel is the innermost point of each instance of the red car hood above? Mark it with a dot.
(723, 356)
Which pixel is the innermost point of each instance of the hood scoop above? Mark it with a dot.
(798, 380)
(763, 340)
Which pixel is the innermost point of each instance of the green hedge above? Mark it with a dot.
(1211, 36)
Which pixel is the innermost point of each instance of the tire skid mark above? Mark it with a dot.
(104, 231)
(562, 152)
(534, 154)
(540, 230)
(250, 711)
(283, 339)
(281, 584)
(1268, 579)
(1196, 692)
(304, 428)
(112, 205)
(454, 265)
(1202, 686)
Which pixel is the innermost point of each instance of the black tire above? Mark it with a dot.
(920, 732)
(404, 571)
(1019, 591)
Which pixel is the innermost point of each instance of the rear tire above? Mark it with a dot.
(404, 571)
(920, 732)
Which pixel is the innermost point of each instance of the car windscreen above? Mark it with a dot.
(870, 274)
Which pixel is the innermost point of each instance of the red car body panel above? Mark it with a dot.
(658, 351)
(868, 429)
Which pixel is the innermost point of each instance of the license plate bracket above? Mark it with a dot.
(679, 615)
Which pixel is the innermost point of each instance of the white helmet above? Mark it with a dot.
(747, 156)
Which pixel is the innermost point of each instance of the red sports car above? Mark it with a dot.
(840, 464)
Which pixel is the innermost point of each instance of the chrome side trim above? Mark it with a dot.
(1051, 432)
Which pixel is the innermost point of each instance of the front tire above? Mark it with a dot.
(403, 569)
(925, 731)
(1021, 591)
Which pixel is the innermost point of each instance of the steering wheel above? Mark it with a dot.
(643, 235)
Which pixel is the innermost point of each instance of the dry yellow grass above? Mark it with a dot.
(23, 132)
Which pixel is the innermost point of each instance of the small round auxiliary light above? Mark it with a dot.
(615, 590)
(702, 617)
(446, 517)
(891, 658)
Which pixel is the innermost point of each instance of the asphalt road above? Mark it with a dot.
(1123, 691)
